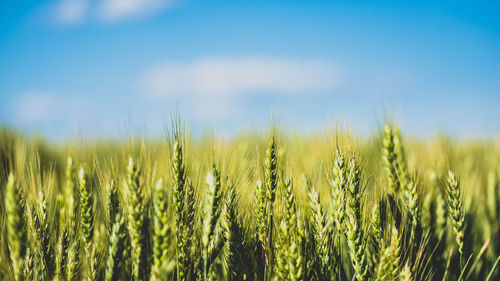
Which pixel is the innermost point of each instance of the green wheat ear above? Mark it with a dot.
(269, 188)
(211, 213)
(320, 234)
(117, 232)
(71, 203)
(354, 227)
(260, 213)
(289, 203)
(62, 254)
(136, 213)
(234, 238)
(391, 161)
(179, 180)
(16, 235)
(86, 210)
(182, 241)
(456, 210)
(289, 259)
(42, 225)
(115, 249)
(377, 221)
(29, 267)
(74, 262)
(271, 170)
(160, 229)
(412, 200)
(388, 267)
(338, 185)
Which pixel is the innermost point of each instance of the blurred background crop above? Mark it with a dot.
(91, 68)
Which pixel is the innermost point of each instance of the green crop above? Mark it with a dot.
(268, 208)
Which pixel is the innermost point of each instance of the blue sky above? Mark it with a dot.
(86, 67)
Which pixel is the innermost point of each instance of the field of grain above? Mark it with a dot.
(266, 207)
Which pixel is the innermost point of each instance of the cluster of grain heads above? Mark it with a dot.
(16, 235)
(90, 228)
(456, 211)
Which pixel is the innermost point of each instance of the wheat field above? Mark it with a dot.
(270, 206)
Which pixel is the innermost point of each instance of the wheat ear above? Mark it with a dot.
(354, 233)
(136, 217)
(211, 213)
(456, 211)
(160, 229)
(16, 235)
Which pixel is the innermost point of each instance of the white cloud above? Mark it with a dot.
(33, 107)
(106, 11)
(71, 11)
(213, 109)
(115, 10)
(238, 76)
